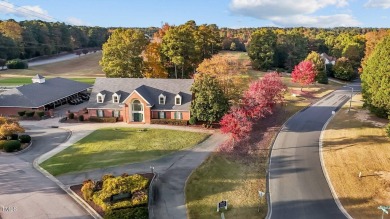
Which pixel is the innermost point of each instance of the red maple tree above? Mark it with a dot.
(304, 73)
(257, 101)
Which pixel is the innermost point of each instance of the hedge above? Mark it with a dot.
(25, 139)
(138, 213)
(2, 143)
(103, 119)
(169, 122)
(21, 113)
(17, 64)
(40, 113)
(30, 113)
(71, 116)
(192, 121)
(11, 146)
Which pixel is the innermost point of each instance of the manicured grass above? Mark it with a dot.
(27, 80)
(83, 66)
(353, 144)
(115, 146)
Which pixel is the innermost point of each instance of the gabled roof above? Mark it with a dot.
(150, 89)
(37, 95)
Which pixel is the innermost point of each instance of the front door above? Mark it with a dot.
(137, 117)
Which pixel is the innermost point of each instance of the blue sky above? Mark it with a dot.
(224, 13)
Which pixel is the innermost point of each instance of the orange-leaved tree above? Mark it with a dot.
(9, 126)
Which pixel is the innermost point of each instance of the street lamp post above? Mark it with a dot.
(350, 100)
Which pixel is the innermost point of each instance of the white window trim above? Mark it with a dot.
(162, 96)
(116, 95)
(100, 95)
(178, 97)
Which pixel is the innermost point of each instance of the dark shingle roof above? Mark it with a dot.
(36, 95)
(149, 89)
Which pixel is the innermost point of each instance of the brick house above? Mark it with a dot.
(139, 100)
(43, 94)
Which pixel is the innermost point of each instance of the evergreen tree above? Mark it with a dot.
(376, 78)
(210, 103)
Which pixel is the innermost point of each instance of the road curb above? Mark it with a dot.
(268, 194)
(151, 195)
(334, 194)
(67, 189)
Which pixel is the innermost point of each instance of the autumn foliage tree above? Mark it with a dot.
(304, 73)
(228, 72)
(8, 127)
(153, 67)
(258, 101)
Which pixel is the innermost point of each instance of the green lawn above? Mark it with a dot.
(115, 146)
(27, 80)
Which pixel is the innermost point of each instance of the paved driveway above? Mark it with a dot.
(25, 192)
(298, 187)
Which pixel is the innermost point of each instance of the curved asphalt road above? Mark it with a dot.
(25, 192)
(297, 185)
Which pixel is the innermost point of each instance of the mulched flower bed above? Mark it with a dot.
(77, 189)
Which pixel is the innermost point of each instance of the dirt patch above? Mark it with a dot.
(365, 116)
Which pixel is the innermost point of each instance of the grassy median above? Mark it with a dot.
(115, 146)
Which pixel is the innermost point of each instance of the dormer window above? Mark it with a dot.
(161, 99)
(177, 99)
(100, 97)
(116, 97)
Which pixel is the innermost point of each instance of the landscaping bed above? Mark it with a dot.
(116, 146)
(130, 192)
(15, 143)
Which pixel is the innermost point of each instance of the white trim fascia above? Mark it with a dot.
(139, 95)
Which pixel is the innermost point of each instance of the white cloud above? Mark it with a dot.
(26, 11)
(264, 9)
(378, 4)
(337, 20)
(293, 13)
(75, 21)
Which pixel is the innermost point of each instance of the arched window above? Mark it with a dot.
(137, 106)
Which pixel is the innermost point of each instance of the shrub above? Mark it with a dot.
(40, 113)
(2, 143)
(71, 116)
(378, 111)
(102, 119)
(25, 139)
(107, 176)
(11, 146)
(192, 121)
(388, 130)
(87, 189)
(81, 118)
(169, 122)
(30, 113)
(17, 64)
(21, 113)
(13, 137)
(138, 213)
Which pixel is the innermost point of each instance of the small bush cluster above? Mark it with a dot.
(30, 113)
(71, 116)
(192, 121)
(139, 213)
(169, 122)
(101, 193)
(17, 64)
(104, 119)
(40, 113)
(11, 145)
(21, 113)
(25, 139)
